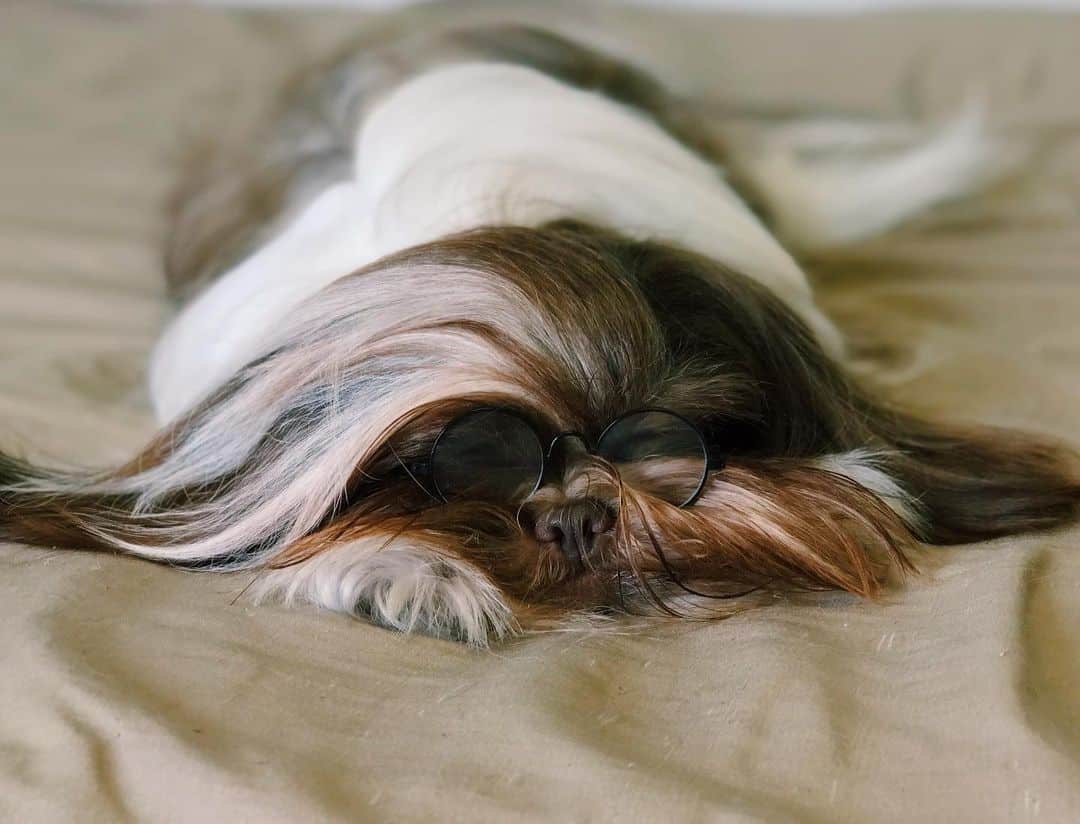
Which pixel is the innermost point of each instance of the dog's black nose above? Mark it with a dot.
(574, 526)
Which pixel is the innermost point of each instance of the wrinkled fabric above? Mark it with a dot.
(130, 691)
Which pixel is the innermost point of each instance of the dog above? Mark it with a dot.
(490, 332)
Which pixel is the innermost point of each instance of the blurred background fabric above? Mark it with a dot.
(135, 692)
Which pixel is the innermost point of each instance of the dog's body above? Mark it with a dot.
(461, 147)
(504, 218)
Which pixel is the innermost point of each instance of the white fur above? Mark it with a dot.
(461, 147)
(863, 467)
(408, 588)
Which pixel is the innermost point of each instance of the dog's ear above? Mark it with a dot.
(175, 501)
(796, 401)
(75, 509)
(981, 482)
(245, 472)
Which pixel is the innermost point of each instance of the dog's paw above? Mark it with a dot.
(407, 588)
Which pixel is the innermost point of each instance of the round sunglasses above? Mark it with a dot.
(495, 454)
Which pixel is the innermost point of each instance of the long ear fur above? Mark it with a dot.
(166, 504)
(55, 509)
(981, 482)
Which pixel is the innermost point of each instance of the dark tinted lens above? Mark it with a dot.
(658, 453)
(489, 455)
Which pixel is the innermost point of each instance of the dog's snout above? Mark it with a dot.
(574, 527)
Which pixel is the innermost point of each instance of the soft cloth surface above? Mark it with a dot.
(133, 691)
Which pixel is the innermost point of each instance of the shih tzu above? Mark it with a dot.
(491, 331)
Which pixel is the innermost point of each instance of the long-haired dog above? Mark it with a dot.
(490, 331)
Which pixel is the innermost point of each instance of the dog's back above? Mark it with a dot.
(229, 200)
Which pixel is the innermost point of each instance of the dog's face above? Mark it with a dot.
(314, 464)
(580, 328)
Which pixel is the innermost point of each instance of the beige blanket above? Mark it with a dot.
(130, 691)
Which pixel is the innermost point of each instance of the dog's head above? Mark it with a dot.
(511, 424)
